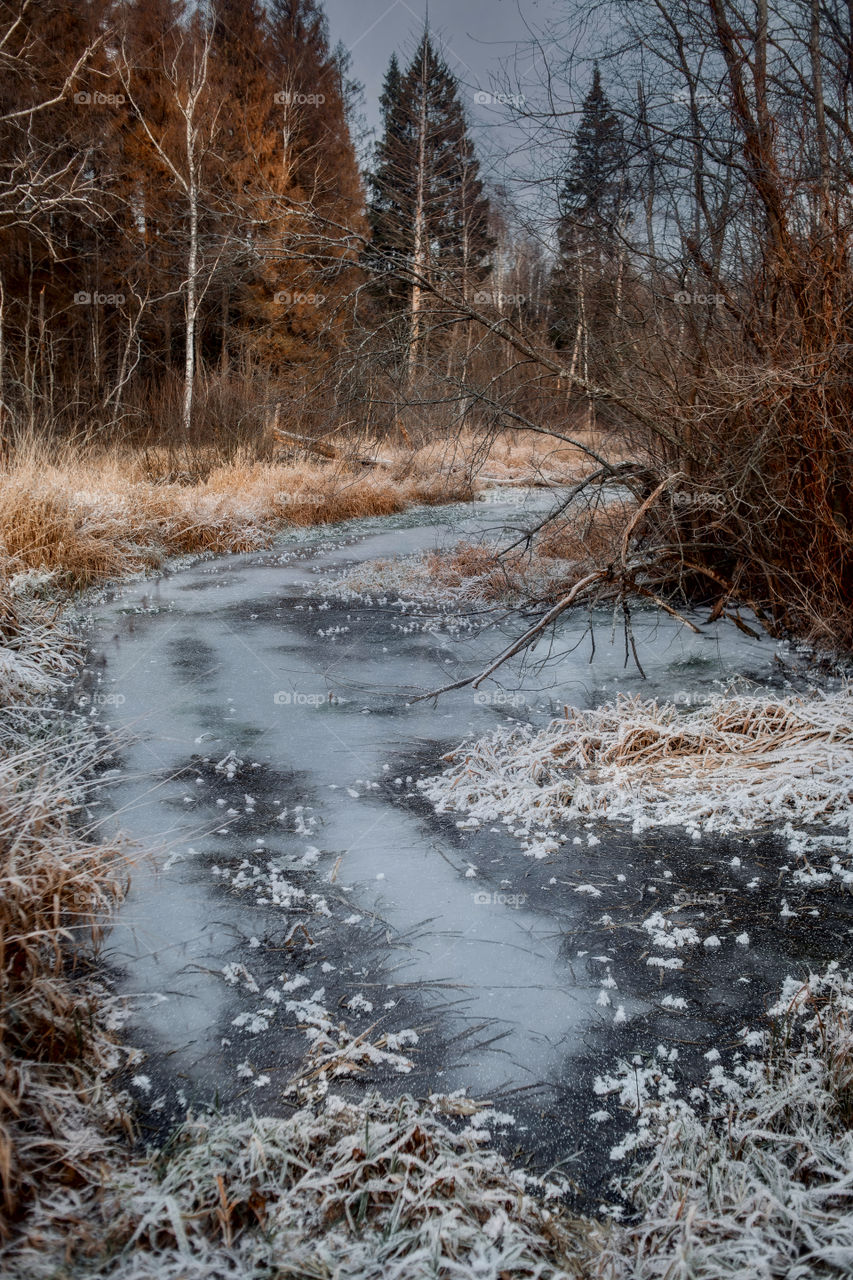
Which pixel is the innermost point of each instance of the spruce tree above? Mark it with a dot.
(593, 209)
(390, 204)
(428, 211)
(593, 193)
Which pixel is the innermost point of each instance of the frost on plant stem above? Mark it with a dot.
(751, 1176)
(735, 765)
(754, 1175)
(378, 1189)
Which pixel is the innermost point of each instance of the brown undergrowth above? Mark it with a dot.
(89, 516)
(544, 568)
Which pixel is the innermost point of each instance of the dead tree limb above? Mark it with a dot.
(525, 640)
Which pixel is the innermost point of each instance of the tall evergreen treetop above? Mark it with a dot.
(593, 205)
(594, 190)
(425, 187)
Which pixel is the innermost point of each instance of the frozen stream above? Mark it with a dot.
(296, 875)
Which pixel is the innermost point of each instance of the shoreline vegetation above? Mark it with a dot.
(86, 515)
(754, 1173)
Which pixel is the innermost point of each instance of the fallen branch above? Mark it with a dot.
(328, 450)
(524, 640)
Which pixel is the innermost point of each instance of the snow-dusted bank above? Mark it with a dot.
(750, 1176)
(737, 764)
(58, 883)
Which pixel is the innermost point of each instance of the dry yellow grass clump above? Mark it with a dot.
(54, 889)
(90, 515)
(738, 763)
(563, 553)
(90, 519)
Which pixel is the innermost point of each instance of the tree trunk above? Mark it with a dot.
(192, 283)
(419, 254)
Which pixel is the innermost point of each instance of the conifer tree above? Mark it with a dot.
(248, 153)
(318, 190)
(593, 194)
(190, 159)
(428, 213)
(151, 220)
(593, 208)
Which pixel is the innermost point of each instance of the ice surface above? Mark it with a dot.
(288, 832)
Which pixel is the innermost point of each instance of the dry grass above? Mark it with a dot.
(56, 889)
(566, 550)
(519, 456)
(483, 572)
(588, 539)
(736, 764)
(91, 516)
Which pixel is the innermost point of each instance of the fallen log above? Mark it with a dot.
(329, 450)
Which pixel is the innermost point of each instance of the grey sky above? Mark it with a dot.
(477, 36)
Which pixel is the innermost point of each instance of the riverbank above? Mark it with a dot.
(60, 1123)
(86, 516)
(72, 518)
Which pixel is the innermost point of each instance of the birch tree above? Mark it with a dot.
(185, 154)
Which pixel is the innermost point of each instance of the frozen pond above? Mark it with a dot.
(298, 880)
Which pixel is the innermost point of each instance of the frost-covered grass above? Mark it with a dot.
(407, 577)
(739, 763)
(750, 1174)
(375, 1190)
(57, 886)
(753, 1176)
(471, 576)
(37, 653)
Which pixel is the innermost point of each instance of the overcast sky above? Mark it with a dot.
(477, 37)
